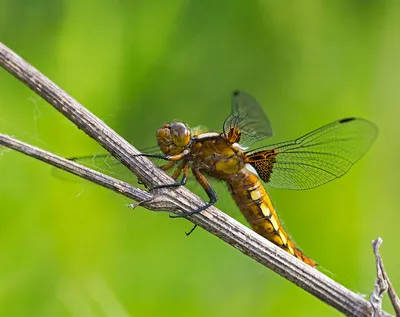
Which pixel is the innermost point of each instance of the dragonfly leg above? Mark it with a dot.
(190, 231)
(185, 174)
(167, 166)
(165, 157)
(208, 189)
(183, 166)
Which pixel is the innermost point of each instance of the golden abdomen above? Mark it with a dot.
(254, 203)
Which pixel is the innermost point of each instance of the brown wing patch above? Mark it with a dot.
(263, 162)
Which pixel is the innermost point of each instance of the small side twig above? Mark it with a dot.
(382, 284)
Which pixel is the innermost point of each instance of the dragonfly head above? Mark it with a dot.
(173, 138)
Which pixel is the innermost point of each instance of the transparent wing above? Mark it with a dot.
(107, 164)
(247, 117)
(198, 130)
(315, 158)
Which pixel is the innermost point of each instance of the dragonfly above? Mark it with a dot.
(307, 162)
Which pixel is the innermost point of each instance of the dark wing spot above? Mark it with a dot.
(346, 120)
(236, 93)
(263, 163)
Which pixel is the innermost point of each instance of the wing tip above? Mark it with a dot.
(373, 128)
(347, 120)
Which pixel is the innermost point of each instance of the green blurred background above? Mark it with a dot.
(75, 249)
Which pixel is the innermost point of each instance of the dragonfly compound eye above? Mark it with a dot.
(180, 134)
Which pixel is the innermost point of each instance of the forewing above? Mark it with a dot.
(249, 118)
(109, 165)
(315, 158)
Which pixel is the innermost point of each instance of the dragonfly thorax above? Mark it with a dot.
(173, 138)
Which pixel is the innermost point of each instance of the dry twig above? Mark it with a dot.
(382, 285)
(180, 199)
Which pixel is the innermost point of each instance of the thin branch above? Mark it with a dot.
(67, 165)
(180, 199)
(155, 202)
(382, 284)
